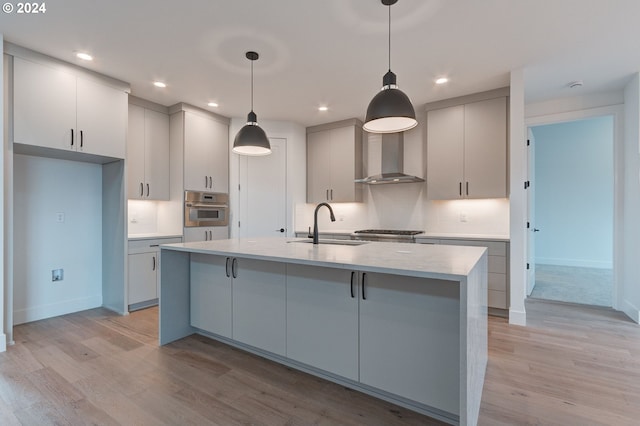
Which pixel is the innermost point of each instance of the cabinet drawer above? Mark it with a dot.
(144, 246)
(498, 299)
(497, 264)
(497, 281)
(496, 248)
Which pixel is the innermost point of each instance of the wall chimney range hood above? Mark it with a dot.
(392, 162)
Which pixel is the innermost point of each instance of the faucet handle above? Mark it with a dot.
(309, 234)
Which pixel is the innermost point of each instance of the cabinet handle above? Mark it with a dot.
(364, 281)
(141, 189)
(210, 182)
(206, 181)
(460, 188)
(234, 268)
(226, 268)
(206, 236)
(467, 188)
(332, 195)
(147, 190)
(210, 235)
(81, 139)
(352, 293)
(154, 263)
(327, 195)
(71, 137)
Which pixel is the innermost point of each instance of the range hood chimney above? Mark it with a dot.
(392, 162)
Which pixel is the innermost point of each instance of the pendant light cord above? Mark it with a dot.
(389, 37)
(251, 85)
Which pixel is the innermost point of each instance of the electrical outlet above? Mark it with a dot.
(463, 217)
(57, 274)
(60, 217)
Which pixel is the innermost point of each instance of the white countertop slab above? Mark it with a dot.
(420, 260)
(445, 236)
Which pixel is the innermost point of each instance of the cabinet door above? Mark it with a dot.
(485, 150)
(445, 151)
(259, 311)
(143, 271)
(409, 337)
(341, 167)
(206, 162)
(101, 119)
(322, 318)
(44, 105)
(211, 298)
(135, 153)
(318, 166)
(156, 155)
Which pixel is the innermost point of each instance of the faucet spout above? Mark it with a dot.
(315, 220)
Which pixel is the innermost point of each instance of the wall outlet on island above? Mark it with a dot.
(463, 217)
(57, 274)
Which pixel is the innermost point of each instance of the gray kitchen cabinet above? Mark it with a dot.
(334, 161)
(211, 294)
(322, 318)
(54, 108)
(147, 154)
(205, 233)
(400, 319)
(498, 268)
(206, 153)
(242, 299)
(143, 266)
(259, 304)
(467, 150)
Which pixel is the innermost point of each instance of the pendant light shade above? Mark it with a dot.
(251, 139)
(390, 111)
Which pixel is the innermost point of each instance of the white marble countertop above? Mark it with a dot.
(420, 260)
(429, 235)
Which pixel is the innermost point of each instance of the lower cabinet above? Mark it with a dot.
(401, 318)
(241, 299)
(322, 318)
(143, 267)
(205, 233)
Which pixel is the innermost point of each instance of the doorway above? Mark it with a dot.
(263, 193)
(571, 211)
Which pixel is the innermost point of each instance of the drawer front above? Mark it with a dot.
(497, 299)
(497, 264)
(496, 248)
(497, 281)
(145, 246)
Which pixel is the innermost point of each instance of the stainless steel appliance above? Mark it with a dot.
(205, 209)
(388, 235)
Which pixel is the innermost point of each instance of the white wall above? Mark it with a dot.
(44, 187)
(295, 135)
(3, 337)
(574, 193)
(630, 297)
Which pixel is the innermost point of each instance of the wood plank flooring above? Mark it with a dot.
(571, 366)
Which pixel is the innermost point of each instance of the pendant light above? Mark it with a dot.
(390, 111)
(251, 139)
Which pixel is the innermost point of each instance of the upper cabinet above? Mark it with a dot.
(147, 154)
(53, 108)
(205, 140)
(467, 150)
(334, 161)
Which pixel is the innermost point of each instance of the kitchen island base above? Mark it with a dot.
(414, 336)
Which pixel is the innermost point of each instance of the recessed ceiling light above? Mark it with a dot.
(323, 108)
(442, 80)
(84, 56)
(213, 104)
(159, 84)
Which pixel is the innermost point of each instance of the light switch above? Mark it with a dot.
(60, 217)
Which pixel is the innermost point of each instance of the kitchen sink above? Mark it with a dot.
(334, 242)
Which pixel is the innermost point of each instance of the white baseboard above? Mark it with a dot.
(578, 263)
(631, 311)
(36, 313)
(3, 342)
(517, 317)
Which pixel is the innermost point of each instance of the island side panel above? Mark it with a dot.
(175, 301)
(473, 341)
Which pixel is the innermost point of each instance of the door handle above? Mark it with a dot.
(147, 190)
(72, 138)
(364, 281)
(460, 188)
(226, 267)
(535, 230)
(352, 292)
(234, 268)
(467, 188)
(81, 139)
(141, 189)
(154, 263)
(280, 230)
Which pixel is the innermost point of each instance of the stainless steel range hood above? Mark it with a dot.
(392, 163)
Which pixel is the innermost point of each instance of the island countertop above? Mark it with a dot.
(419, 260)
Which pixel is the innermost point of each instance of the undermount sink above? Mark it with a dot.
(334, 242)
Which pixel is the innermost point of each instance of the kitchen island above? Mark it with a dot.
(403, 322)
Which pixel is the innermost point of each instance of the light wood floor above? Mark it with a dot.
(571, 366)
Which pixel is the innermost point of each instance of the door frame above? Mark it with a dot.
(617, 112)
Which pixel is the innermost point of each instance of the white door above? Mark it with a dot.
(531, 222)
(263, 193)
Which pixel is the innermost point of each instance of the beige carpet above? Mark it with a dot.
(587, 286)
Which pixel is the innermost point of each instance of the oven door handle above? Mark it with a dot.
(208, 206)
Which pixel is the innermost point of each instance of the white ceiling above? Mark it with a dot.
(334, 52)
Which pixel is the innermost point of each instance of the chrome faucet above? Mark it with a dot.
(315, 220)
